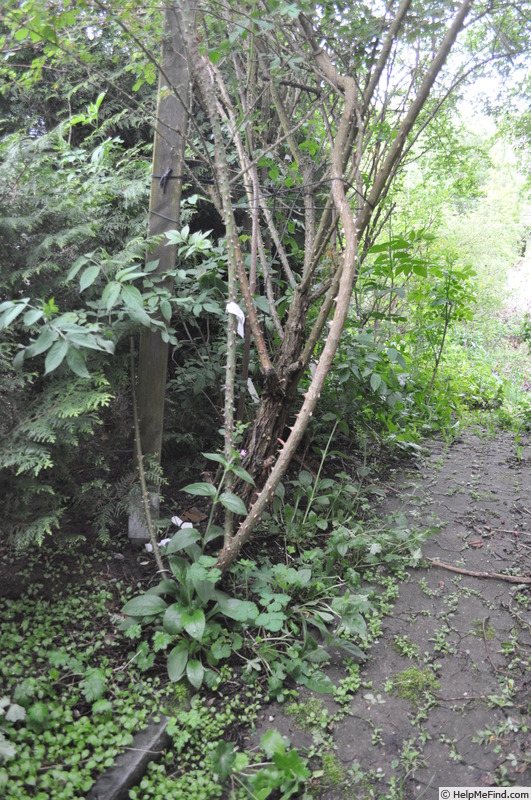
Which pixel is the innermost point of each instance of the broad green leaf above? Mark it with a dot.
(240, 610)
(215, 457)
(179, 567)
(183, 538)
(138, 314)
(222, 760)
(55, 356)
(201, 489)
(15, 713)
(101, 706)
(213, 532)
(165, 309)
(205, 589)
(271, 620)
(318, 682)
(172, 621)
(88, 277)
(132, 297)
(110, 294)
(9, 316)
(351, 649)
(177, 660)
(194, 623)
(292, 764)
(30, 317)
(18, 361)
(195, 672)
(220, 650)
(233, 503)
(273, 742)
(144, 605)
(242, 473)
(76, 362)
(420, 269)
(376, 381)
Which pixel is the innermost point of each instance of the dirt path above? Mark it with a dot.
(445, 698)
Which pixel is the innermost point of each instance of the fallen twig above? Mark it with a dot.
(473, 574)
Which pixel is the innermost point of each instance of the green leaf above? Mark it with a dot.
(239, 610)
(201, 489)
(305, 478)
(292, 764)
(222, 760)
(44, 342)
(195, 672)
(30, 317)
(94, 684)
(318, 682)
(172, 621)
(15, 713)
(165, 310)
(37, 718)
(350, 648)
(144, 605)
(213, 532)
(161, 640)
(242, 473)
(88, 277)
(110, 294)
(7, 750)
(215, 457)
(177, 660)
(10, 315)
(233, 503)
(271, 620)
(376, 381)
(273, 743)
(101, 706)
(55, 356)
(194, 623)
(183, 538)
(132, 297)
(76, 361)
(220, 650)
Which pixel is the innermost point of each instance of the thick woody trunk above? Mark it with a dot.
(164, 209)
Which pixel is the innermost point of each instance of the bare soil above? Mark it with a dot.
(473, 634)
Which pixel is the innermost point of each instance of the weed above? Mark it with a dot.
(309, 714)
(414, 684)
(405, 647)
(482, 629)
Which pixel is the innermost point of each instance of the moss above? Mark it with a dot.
(412, 684)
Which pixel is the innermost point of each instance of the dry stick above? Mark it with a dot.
(474, 574)
(141, 472)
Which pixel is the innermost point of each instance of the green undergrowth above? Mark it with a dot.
(74, 688)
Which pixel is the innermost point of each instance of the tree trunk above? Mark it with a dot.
(164, 208)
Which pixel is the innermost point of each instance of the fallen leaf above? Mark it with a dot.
(193, 514)
(477, 543)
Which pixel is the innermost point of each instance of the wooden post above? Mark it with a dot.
(164, 214)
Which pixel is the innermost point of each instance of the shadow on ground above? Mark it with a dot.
(445, 696)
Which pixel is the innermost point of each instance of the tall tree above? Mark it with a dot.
(171, 125)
